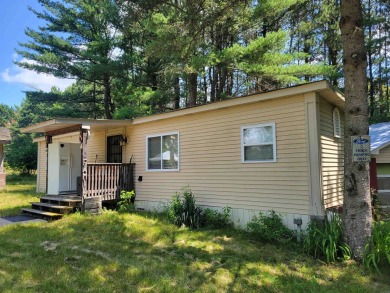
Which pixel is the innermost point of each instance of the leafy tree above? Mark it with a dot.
(6, 114)
(21, 153)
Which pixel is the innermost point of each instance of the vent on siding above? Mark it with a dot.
(336, 123)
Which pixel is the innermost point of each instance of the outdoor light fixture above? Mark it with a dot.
(122, 140)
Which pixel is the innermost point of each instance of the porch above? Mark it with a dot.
(74, 171)
(104, 183)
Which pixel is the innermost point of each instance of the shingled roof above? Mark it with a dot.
(5, 135)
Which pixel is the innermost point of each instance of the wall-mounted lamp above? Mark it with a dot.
(122, 140)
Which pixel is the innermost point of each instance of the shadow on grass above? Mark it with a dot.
(132, 253)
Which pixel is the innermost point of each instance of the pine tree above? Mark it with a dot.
(81, 39)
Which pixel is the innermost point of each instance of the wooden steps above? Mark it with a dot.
(53, 206)
(41, 214)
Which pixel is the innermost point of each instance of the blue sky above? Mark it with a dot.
(14, 18)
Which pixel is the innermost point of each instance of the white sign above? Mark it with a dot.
(361, 148)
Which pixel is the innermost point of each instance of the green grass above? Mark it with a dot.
(18, 193)
(119, 252)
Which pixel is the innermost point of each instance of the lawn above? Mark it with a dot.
(19, 192)
(142, 253)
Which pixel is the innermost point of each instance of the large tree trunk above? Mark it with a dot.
(109, 107)
(192, 83)
(357, 200)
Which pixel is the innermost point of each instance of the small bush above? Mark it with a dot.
(216, 220)
(269, 227)
(377, 251)
(182, 210)
(324, 240)
(126, 204)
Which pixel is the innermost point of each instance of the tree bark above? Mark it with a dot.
(357, 199)
(192, 80)
(109, 107)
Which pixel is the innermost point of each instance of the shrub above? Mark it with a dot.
(216, 220)
(269, 227)
(324, 240)
(377, 251)
(182, 210)
(126, 204)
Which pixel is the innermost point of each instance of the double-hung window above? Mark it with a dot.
(163, 152)
(258, 143)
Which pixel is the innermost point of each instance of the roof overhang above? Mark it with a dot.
(57, 125)
(322, 88)
(377, 150)
(5, 135)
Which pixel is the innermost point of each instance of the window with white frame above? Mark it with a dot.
(163, 152)
(336, 123)
(258, 143)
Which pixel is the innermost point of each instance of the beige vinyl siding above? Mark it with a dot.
(210, 158)
(332, 156)
(97, 144)
(97, 147)
(42, 159)
(384, 155)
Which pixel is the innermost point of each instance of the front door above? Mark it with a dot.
(70, 166)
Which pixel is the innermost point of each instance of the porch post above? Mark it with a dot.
(84, 139)
(48, 140)
(373, 175)
(2, 175)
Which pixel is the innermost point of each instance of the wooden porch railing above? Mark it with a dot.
(108, 180)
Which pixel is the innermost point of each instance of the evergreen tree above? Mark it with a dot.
(81, 39)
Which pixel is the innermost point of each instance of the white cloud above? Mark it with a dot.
(32, 79)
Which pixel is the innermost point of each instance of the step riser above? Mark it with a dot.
(59, 202)
(53, 207)
(41, 214)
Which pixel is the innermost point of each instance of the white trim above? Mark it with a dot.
(336, 123)
(382, 176)
(272, 124)
(313, 143)
(383, 190)
(161, 135)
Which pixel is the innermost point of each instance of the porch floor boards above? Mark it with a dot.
(53, 206)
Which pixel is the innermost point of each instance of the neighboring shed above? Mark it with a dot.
(281, 150)
(380, 160)
(5, 138)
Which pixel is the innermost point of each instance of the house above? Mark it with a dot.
(281, 150)
(380, 161)
(5, 138)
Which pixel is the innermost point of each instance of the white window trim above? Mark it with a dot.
(336, 115)
(147, 151)
(273, 142)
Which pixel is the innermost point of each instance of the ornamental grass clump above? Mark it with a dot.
(182, 210)
(324, 240)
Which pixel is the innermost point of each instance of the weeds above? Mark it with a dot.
(269, 227)
(377, 251)
(324, 240)
(126, 204)
(215, 220)
(183, 211)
